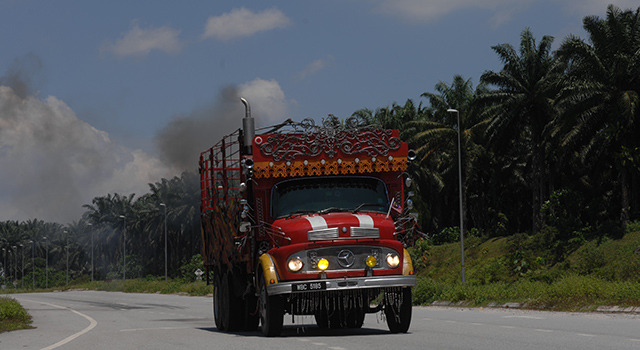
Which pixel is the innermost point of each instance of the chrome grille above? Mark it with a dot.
(365, 232)
(322, 234)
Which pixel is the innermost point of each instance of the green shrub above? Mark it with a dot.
(12, 315)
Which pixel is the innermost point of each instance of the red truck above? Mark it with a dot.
(307, 220)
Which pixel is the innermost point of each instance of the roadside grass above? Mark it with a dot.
(134, 285)
(570, 293)
(146, 285)
(13, 316)
(514, 270)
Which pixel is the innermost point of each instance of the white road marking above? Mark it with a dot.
(92, 324)
(586, 335)
(320, 344)
(527, 317)
(544, 330)
(508, 327)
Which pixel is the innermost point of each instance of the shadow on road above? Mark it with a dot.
(309, 330)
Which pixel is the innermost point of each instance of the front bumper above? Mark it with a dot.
(347, 283)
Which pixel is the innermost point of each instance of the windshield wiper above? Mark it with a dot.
(331, 210)
(367, 205)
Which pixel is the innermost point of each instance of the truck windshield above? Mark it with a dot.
(326, 194)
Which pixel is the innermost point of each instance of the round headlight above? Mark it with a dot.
(371, 261)
(295, 264)
(393, 260)
(323, 264)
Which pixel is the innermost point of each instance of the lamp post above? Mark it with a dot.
(22, 267)
(66, 246)
(46, 264)
(165, 240)
(124, 248)
(90, 224)
(4, 266)
(33, 264)
(15, 266)
(460, 191)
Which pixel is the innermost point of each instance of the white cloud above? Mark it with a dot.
(243, 22)
(268, 102)
(314, 67)
(52, 162)
(140, 42)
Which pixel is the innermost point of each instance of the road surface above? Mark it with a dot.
(108, 320)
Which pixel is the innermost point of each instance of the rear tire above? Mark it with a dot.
(220, 299)
(228, 310)
(399, 318)
(271, 311)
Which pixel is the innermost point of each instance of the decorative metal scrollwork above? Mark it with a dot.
(353, 137)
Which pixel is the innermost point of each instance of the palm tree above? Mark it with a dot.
(435, 138)
(522, 107)
(602, 105)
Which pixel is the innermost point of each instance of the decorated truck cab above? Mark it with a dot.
(307, 219)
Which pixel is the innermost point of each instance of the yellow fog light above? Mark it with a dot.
(323, 264)
(393, 260)
(295, 264)
(372, 261)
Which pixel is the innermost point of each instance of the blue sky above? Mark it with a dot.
(89, 88)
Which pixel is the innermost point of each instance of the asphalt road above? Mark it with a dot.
(105, 320)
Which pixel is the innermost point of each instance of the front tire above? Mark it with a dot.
(271, 311)
(397, 310)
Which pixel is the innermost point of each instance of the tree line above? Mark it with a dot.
(550, 144)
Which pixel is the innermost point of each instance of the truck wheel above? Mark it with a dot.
(227, 307)
(271, 311)
(220, 303)
(355, 318)
(399, 318)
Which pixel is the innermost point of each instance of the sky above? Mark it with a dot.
(101, 97)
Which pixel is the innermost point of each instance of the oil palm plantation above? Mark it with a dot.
(522, 110)
(602, 105)
(435, 140)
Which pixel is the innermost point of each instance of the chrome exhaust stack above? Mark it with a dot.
(248, 127)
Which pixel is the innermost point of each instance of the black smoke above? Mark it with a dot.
(185, 137)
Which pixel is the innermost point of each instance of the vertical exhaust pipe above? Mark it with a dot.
(248, 127)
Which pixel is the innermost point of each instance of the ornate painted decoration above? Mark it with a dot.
(306, 149)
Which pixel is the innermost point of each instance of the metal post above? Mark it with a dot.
(46, 264)
(89, 224)
(460, 192)
(66, 245)
(22, 267)
(124, 248)
(33, 264)
(4, 266)
(15, 266)
(165, 241)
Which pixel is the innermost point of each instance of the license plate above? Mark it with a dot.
(308, 286)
